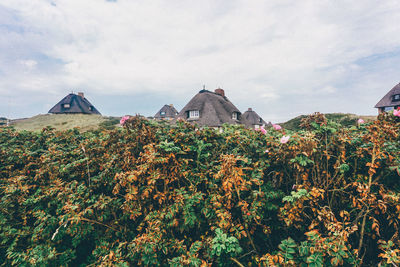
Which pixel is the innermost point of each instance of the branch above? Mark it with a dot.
(99, 223)
(237, 262)
(369, 190)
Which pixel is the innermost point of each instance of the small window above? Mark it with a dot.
(162, 113)
(388, 109)
(235, 115)
(396, 98)
(194, 114)
(66, 105)
(91, 108)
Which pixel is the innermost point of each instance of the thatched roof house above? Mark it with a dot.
(166, 112)
(254, 120)
(73, 103)
(390, 101)
(211, 109)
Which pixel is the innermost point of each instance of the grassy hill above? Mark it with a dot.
(346, 119)
(3, 121)
(90, 122)
(64, 121)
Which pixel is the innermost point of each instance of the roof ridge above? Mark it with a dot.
(78, 104)
(387, 101)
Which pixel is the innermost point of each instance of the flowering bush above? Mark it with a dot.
(124, 119)
(277, 127)
(155, 194)
(284, 139)
(396, 112)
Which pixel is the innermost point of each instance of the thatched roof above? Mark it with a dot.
(387, 100)
(73, 103)
(253, 118)
(166, 112)
(214, 109)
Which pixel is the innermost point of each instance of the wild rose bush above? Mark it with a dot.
(155, 194)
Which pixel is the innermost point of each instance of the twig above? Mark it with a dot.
(87, 163)
(56, 232)
(248, 234)
(369, 189)
(247, 254)
(99, 223)
(237, 262)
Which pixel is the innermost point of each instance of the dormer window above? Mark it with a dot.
(194, 114)
(162, 113)
(396, 98)
(235, 116)
(66, 105)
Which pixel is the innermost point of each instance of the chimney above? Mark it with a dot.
(81, 94)
(171, 105)
(220, 92)
(249, 109)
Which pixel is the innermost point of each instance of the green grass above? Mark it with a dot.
(3, 121)
(64, 122)
(346, 119)
(90, 122)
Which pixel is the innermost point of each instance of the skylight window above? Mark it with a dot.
(235, 116)
(194, 114)
(396, 98)
(162, 113)
(66, 106)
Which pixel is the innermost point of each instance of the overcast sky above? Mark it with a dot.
(282, 58)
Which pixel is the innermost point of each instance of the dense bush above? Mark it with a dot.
(155, 194)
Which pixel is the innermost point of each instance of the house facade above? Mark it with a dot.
(167, 112)
(390, 101)
(211, 109)
(253, 119)
(74, 104)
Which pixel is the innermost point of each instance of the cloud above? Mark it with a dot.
(328, 90)
(259, 51)
(270, 95)
(29, 63)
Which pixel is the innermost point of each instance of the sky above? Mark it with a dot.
(282, 58)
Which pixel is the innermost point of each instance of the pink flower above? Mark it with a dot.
(267, 151)
(396, 112)
(277, 127)
(123, 119)
(262, 130)
(360, 121)
(285, 139)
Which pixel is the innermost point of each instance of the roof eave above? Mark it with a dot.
(389, 105)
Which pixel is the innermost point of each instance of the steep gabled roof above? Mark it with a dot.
(215, 109)
(167, 111)
(77, 104)
(387, 100)
(253, 118)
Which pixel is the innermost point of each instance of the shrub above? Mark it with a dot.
(155, 194)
